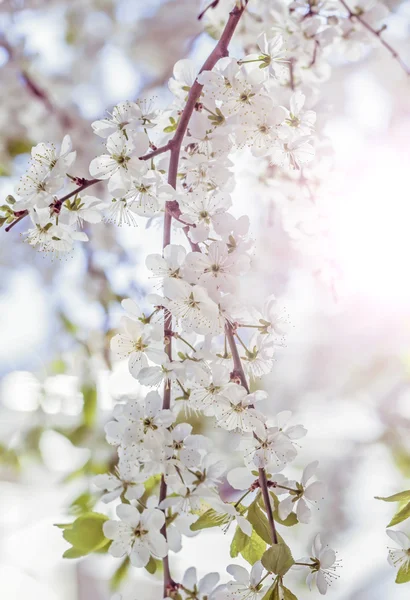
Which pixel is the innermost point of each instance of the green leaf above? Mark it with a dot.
(86, 534)
(120, 574)
(210, 518)
(239, 541)
(90, 405)
(84, 503)
(272, 593)
(400, 516)
(259, 522)
(278, 559)
(151, 565)
(254, 548)
(287, 594)
(290, 519)
(400, 497)
(403, 574)
(74, 553)
(251, 548)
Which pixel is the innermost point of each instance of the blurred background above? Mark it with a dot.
(340, 269)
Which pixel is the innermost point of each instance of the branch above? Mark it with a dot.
(377, 33)
(174, 145)
(238, 369)
(157, 151)
(83, 184)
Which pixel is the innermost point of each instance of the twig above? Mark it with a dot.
(84, 184)
(291, 74)
(238, 369)
(377, 33)
(213, 4)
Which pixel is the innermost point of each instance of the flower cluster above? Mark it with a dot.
(201, 349)
(199, 344)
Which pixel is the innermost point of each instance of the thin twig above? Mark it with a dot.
(85, 183)
(377, 33)
(238, 370)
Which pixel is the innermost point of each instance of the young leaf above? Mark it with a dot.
(151, 565)
(210, 518)
(403, 574)
(238, 542)
(253, 549)
(399, 497)
(259, 522)
(86, 534)
(278, 559)
(287, 594)
(273, 592)
(120, 574)
(400, 516)
(74, 553)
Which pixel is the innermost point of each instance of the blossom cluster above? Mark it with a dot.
(200, 349)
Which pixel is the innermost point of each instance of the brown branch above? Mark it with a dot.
(376, 33)
(17, 220)
(83, 185)
(291, 74)
(238, 370)
(174, 145)
(267, 501)
(157, 151)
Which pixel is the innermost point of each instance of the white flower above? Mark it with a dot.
(275, 318)
(125, 118)
(272, 55)
(191, 305)
(207, 388)
(224, 508)
(115, 485)
(122, 161)
(235, 411)
(399, 557)
(49, 237)
(136, 534)
(323, 566)
(203, 211)
(148, 194)
(37, 187)
(303, 492)
(260, 132)
(139, 421)
(201, 589)
(86, 208)
(138, 343)
(217, 269)
(292, 153)
(185, 73)
(296, 118)
(179, 527)
(56, 162)
(269, 448)
(245, 585)
(169, 263)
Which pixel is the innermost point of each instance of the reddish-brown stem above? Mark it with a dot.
(157, 151)
(377, 33)
(291, 74)
(238, 369)
(174, 145)
(268, 505)
(85, 183)
(20, 218)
